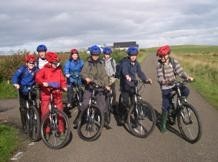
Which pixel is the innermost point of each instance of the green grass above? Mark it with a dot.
(7, 90)
(8, 141)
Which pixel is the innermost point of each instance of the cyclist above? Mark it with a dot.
(94, 71)
(129, 68)
(41, 60)
(72, 66)
(22, 79)
(51, 76)
(167, 70)
(110, 67)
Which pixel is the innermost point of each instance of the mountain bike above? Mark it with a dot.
(91, 120)
(31, 117)
(140, 116)
(187, 117)
(78, 90)
(54, 138)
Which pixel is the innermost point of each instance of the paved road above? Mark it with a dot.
(117, 145)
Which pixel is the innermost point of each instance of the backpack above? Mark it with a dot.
(119, 67)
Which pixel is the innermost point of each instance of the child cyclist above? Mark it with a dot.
(167, 70)
(41, 60)
(22, 79)
(73, 66)
(51, 76)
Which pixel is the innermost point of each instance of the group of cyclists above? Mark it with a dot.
(45, 71)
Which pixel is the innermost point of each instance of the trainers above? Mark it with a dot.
(69, 105)
(47, 136)
(62, 136)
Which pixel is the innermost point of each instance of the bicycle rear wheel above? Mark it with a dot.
(189, 123)
(90, 124)
(34, 124)
(51, 135)
(141, 119)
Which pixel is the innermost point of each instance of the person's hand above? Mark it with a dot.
(67, 75)
(65, 89)
(128, 78)
(45, 84)
(108, 88)
(190, 79)
(149, 81)
(17, 86)
(88, 80)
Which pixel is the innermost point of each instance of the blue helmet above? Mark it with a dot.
(107, 51)
(41, 48)
(132, 51)
(95, 50)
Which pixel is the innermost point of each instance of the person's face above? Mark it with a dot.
(42, 54)
(107, 57)
(133, 58)
(164, 58)
(95, 57)
(30, 65)
(74, 56)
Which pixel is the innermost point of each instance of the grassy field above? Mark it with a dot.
(9, 141)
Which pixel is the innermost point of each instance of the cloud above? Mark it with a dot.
(66, 24)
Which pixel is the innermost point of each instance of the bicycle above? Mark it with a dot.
(91, 120)
(54, 138)
(140, 116)
(78, 90)
(185, 114)
(32, 120)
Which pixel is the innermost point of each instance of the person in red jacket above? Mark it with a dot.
(51, 76)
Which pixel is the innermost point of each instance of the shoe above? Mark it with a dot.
(106, 125)
(69, 106)
(62, 136)
(47, 136)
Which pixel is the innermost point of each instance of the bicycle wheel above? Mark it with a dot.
(33, 124)
(141, 119)
(189, 123)
(50, 132)
(90, 124)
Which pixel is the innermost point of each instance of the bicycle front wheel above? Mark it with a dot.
(90, 124)
(51, 132)
(189, 123)
(141, 119)
(34, 124)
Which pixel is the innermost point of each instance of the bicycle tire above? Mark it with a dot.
(147, 114)
(54, 132)
(34, 124)
(84, 120)
(181, 120)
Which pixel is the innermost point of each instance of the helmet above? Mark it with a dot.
(107, 51)
(163, 51)
(74, 51)
(30, 58)
(52, 57)
(41, 48)
(95, 50)
(132, 51)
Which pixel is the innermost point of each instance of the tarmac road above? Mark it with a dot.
(117, 145)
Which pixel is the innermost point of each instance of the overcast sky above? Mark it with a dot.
(65, 24)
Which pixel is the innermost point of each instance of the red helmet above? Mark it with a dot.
(30, 58)
(163, 51)
(52, 57)
(74, 51)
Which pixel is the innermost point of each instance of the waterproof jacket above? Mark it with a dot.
(132, 70)
(95, 70)
(73, 67)
(23, 76)
(54, 77)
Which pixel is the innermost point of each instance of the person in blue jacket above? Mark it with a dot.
(23, 78)
(72, 68)
(130, 69)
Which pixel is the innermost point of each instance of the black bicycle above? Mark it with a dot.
(51, 135)
(32, 120)
(187, 117)
(78, 90)
(140, 116)
(91, 120)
